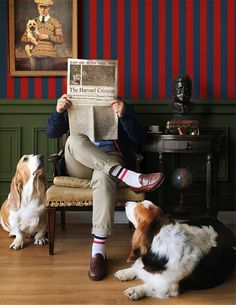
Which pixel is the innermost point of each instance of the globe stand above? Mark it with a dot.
(181, 208)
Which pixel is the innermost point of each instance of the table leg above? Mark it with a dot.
(212, 176)
(161, 169)
(209, 184)
(215, 165)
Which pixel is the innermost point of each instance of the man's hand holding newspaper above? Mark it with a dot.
(118, 107)
(64, 103)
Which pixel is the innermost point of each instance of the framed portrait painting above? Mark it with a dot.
(42, 36)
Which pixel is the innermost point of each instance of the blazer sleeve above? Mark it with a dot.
(57, 124)
(132, 127)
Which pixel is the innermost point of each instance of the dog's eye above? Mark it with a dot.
(25, 159)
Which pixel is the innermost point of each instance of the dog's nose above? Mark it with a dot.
(40, 157)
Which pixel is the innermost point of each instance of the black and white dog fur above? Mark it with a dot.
(169, 256)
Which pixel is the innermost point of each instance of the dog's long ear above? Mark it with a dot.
(149, 222)
(142, 239)
(41, 181)
(139, 244)
(14, 199)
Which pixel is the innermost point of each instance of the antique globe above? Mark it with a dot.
(182, 178)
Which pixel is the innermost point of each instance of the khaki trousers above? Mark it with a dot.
(85, 160)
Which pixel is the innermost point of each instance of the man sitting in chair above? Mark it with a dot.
(105, 163)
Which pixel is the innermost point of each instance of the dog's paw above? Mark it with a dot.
(17, 244)
(41, 241)
(125, 275)
(121, 275)
(133, 293)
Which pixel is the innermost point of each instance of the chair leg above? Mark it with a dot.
(51, 229)
(63, 219)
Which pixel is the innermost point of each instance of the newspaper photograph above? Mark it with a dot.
(91, 85)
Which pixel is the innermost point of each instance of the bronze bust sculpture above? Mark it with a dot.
(182, 123)
(182, 90)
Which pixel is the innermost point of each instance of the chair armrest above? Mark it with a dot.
(54, 159)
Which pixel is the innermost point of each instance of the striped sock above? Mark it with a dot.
(127, 176)
(99, 243)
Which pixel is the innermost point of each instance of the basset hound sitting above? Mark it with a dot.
(169, 256)
(23, 214)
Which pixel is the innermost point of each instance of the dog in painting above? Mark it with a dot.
(169, 256)
(30, 36)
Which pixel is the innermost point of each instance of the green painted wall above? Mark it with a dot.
(22, 126)
(22, 131)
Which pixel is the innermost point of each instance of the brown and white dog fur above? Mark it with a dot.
(169, 256)
(30, 36)
(23, 214)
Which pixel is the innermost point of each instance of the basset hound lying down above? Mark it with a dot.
(169, 256)
(23, 214)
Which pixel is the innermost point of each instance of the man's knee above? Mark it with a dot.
(77, 139)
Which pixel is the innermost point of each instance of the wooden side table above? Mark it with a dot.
(210, 144)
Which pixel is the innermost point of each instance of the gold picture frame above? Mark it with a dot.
(20, 11)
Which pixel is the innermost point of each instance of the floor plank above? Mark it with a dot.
(32, 277)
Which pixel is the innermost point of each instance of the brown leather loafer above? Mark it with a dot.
(149, 182)
(98, 267)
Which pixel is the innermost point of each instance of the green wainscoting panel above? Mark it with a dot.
(22, 131)
(10, 139)
(22, 124)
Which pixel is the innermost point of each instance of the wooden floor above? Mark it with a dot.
(32, 277)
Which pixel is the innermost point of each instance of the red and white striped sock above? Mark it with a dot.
(99, 243)
(129, 177)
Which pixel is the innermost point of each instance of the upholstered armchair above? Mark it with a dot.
(70, 193)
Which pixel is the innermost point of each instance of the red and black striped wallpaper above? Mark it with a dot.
(153, 40)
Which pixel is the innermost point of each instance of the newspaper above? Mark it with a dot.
(91, 85)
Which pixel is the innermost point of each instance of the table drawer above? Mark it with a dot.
(184, 145)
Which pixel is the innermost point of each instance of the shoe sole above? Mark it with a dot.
(97, 278)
